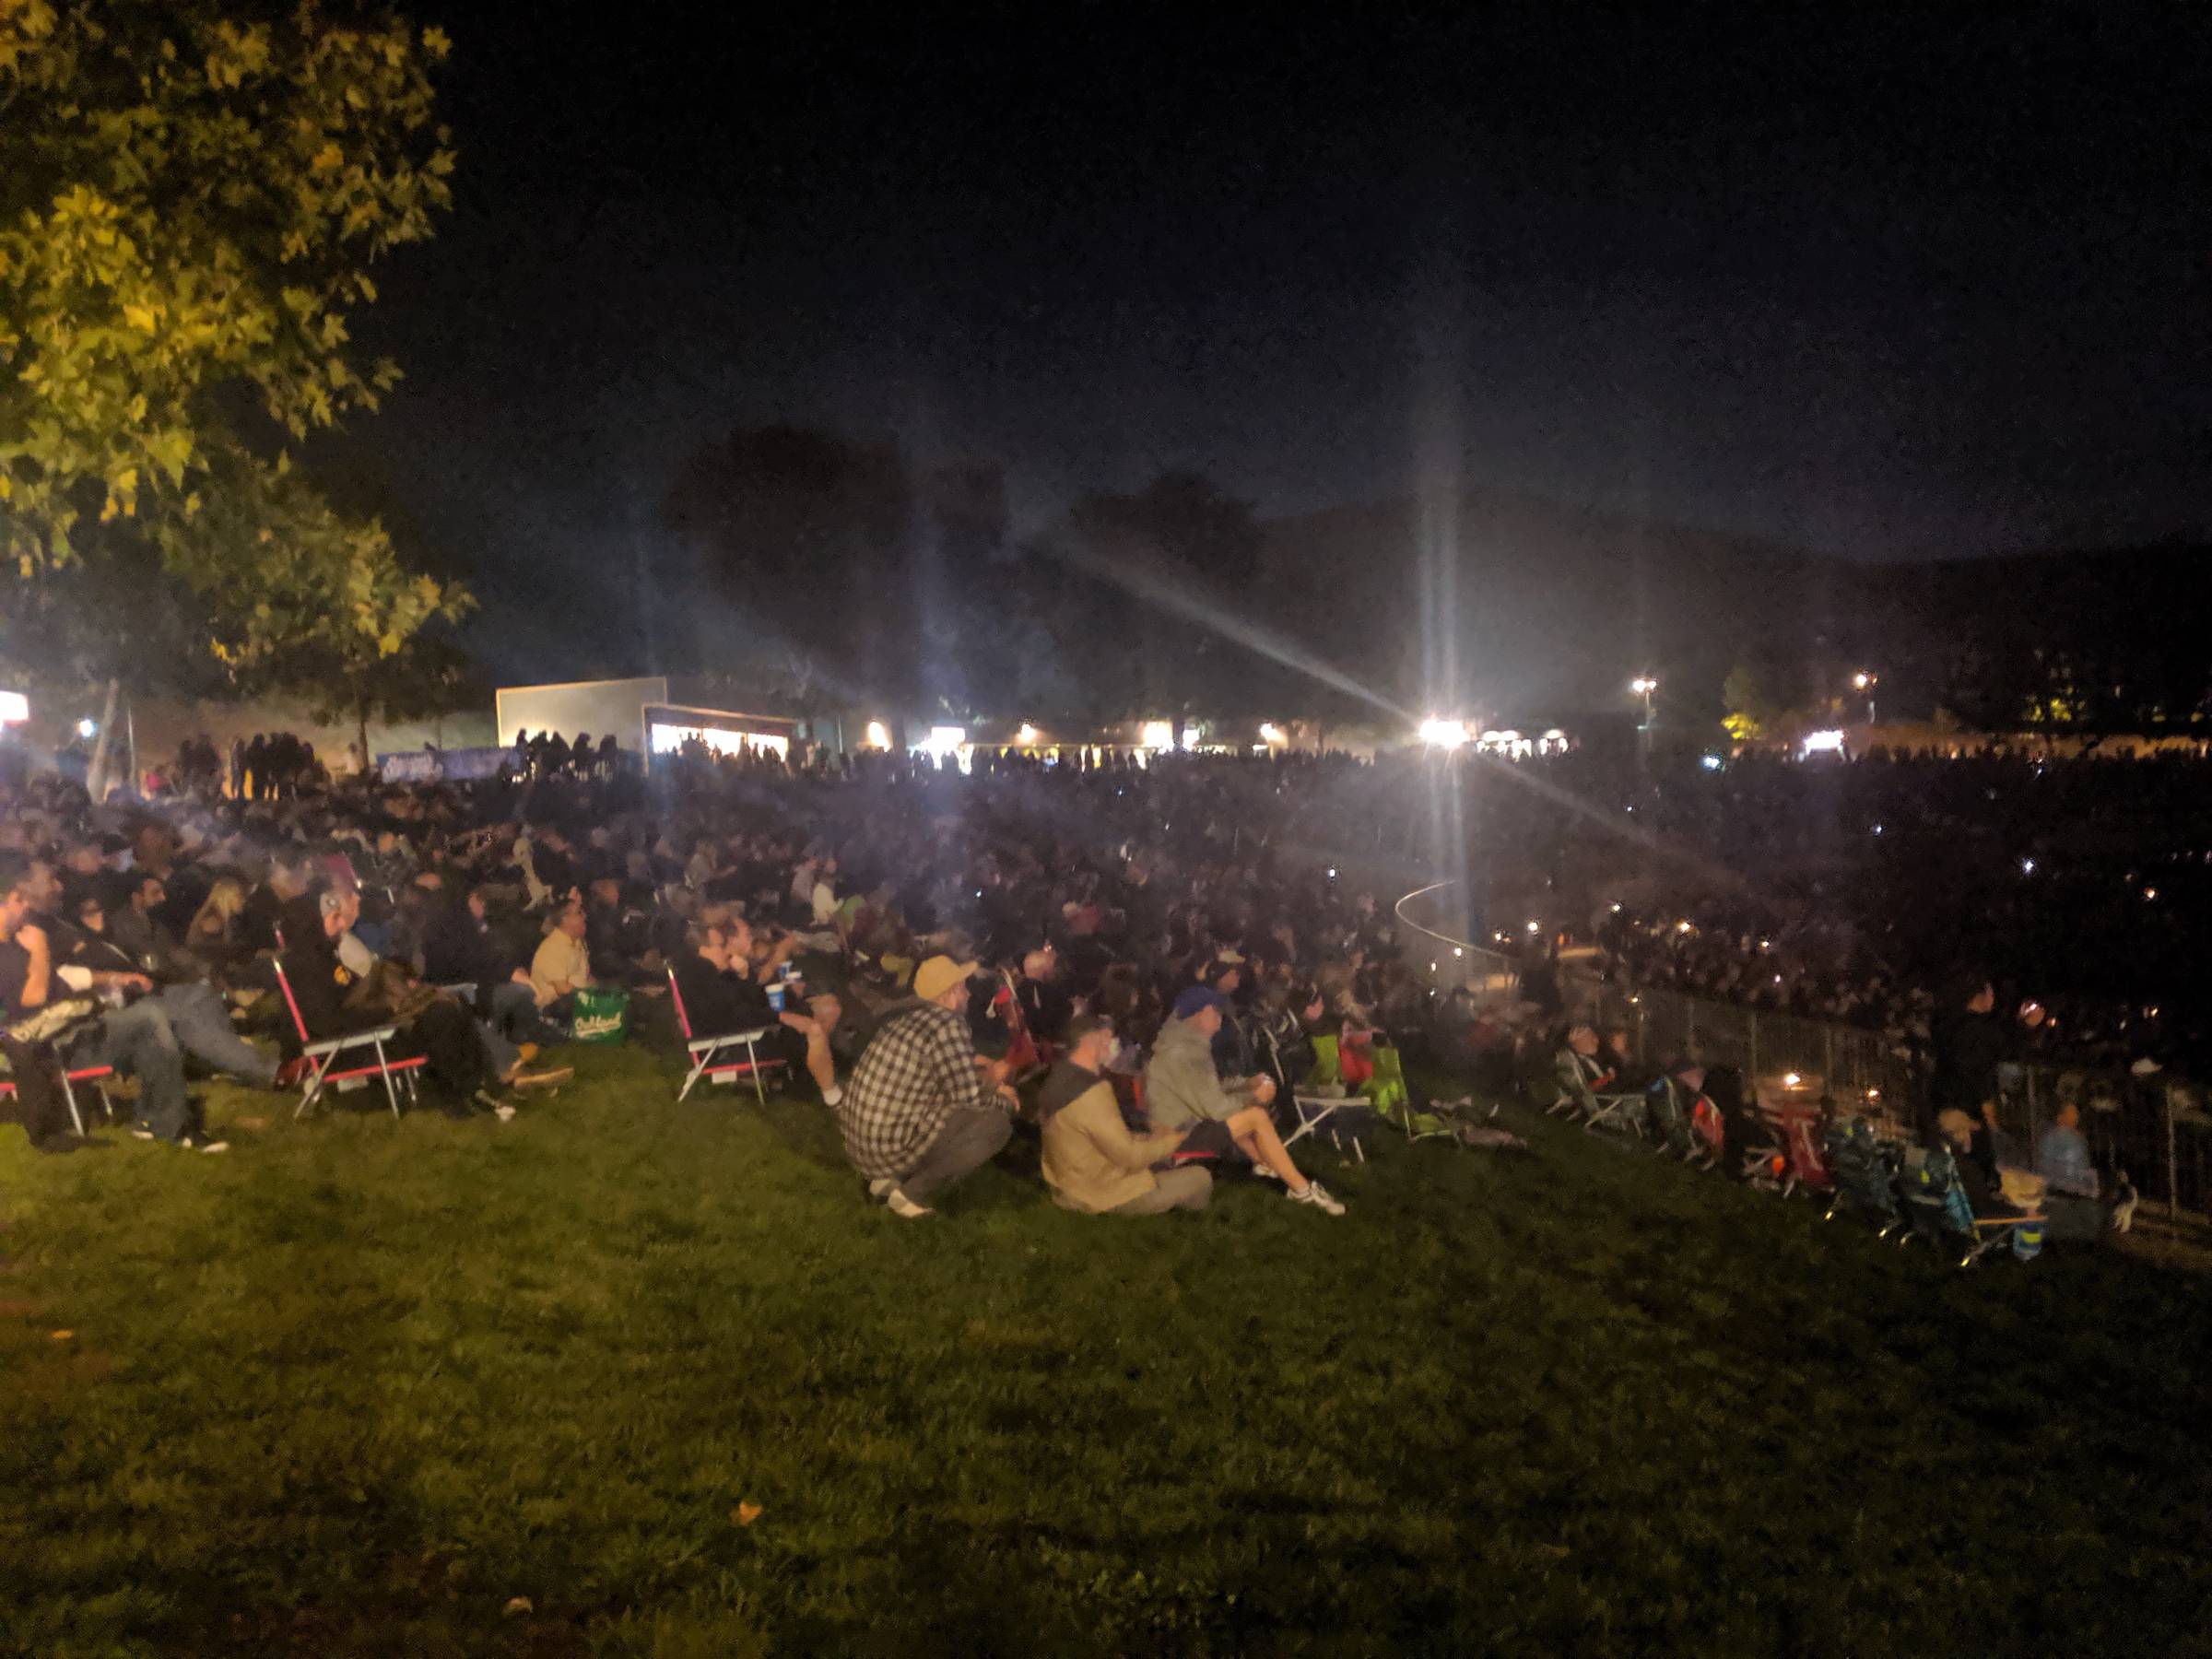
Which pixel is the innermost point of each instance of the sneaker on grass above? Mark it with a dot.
(905, 1208)
(1264, 1173)
(199, 1140)
(486, 1100)
(880, 1187)
(1318, 1197)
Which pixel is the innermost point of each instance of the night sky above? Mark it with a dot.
(1936, 283)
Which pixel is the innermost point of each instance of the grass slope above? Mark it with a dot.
(358, 1385)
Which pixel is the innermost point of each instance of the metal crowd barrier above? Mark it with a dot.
(1435, 944)
(2155, 1128)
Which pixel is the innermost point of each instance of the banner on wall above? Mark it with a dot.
(453, 765)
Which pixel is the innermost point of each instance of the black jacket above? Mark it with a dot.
(459, 949)
(715, 1004)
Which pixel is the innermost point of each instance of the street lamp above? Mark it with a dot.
(1863, 683)
(1644, 685)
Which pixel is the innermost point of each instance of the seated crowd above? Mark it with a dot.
(1110, 958)
(1712, 1115)
(1115, 958)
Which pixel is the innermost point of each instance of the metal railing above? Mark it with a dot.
(1451, 961)
(2155, 1128)
(2151, 1127)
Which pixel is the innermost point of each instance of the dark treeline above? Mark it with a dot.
(840, 569)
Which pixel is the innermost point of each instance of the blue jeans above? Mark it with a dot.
(203, 1030)
(512, 1011)
(499, 1056)
(139, 1043)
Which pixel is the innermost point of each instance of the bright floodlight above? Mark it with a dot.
(879, 735)
(1861, 680)
(1822, 743)
(1270, 731)
(943, 740)
(1710, 762)
(1644, 685)
(14, 708)
(87, 726)
(1159, 734)
(1443, 734)
(1028, 734)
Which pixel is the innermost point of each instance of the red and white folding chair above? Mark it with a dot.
(94, 1075)
(323, 1057)
(706, 1053)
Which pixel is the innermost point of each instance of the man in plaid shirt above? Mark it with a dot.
(919, 1112)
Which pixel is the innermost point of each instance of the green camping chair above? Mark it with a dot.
(1387, 1093)
(1315, 1110)
(1325, 1070)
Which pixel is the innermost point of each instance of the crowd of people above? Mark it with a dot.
(1848, 890)
(548, 754)
(1130, 962)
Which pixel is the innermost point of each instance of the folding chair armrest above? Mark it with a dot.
(331, 1046)
(728, 1040)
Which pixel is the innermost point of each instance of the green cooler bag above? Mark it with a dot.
(601, 1016)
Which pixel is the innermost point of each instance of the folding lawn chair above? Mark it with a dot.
(330, 1059)
(1313, 1109)
(706, 1053)
(1794, 1159)
(1863, 1174)
(1936, 1203)
(1595, 1111)
(95, 1075)
(1387, 1093)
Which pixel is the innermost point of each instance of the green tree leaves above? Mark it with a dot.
(189, 195)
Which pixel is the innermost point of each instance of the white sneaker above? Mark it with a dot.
(504, 1113)
(905, 1208)
(1318, 1197)
(878, 1187)
(833, 1096)
(1264, 1172)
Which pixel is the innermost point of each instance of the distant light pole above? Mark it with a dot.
(1644, 685)
(1865, 682)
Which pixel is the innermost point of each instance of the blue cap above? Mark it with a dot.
(1196, 997)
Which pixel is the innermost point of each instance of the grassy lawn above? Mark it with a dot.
(359, 1386)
